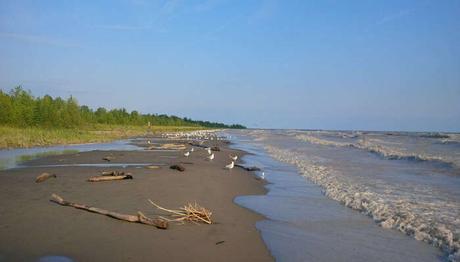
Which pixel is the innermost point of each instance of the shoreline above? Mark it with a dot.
(33, 227)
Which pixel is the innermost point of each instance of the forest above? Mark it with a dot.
(19, 108)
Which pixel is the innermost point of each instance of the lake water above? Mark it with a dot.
(11, 158)
(345, 195)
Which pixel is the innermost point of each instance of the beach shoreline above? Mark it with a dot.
(32, 227)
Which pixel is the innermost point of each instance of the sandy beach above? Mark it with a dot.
(32, 227)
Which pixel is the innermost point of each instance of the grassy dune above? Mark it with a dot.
(13, 137)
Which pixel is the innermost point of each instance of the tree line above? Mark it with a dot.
(20, 108)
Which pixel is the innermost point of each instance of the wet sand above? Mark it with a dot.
(32, 227)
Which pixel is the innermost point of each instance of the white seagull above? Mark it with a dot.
(210, 157)
(192, 149)
(209, 150)
(234, 158)
(187, 154)
(263, 175)
(230, 166)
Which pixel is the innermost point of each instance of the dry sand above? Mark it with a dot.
(32, 227)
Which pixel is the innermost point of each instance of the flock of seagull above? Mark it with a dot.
(211, 156)
(202, 136)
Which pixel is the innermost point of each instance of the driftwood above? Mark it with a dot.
(178, 167)
(215, 148)
(109, 178)
(139, 218)
(168, 147)
(108, 158)
(43, 177)
(248, 168)
(190, 212)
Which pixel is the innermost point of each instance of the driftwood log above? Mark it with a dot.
(215, 148)
(109, 178)
(43, 177)
(139, 218)
(248, 168)
(108, 158)
(178, 167)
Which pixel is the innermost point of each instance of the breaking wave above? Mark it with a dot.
(373, 147)
(416, 210)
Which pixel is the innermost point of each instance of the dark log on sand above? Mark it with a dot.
(248, 168)
(140, 218)
(215, 148)
(43, 177)
(178, 167)
(108, 158)
(109, 178)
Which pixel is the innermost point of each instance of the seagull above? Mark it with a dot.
(230, 166)
(263, 175)
(192, 149)
(148, 142)
(209, 150)
(187, 154)
(234, 158)
(210, 157)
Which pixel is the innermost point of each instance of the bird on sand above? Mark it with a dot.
(263, 175)
(186, 154)
(209, 150)
(148, 142)
(230, 166)
(192, 149)
(234, 158)
(210, 157)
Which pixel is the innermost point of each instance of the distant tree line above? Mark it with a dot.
(20, 108)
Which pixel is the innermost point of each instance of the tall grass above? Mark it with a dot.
(13, 137)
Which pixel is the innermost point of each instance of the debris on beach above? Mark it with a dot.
(178, 167)
(215, 148)
(108, 158)
(139, 218)
(109, 178)
(248, 168)
(43, 177)
(168, 147)
(190, 212)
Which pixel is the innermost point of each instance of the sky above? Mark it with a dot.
(367, 65)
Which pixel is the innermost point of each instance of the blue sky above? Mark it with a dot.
(374, 65)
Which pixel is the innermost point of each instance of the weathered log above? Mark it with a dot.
(108, 178)
(215, 148)
(139, 218)
(178, 167)
(250, 168)
(43, 177)
(108, 158)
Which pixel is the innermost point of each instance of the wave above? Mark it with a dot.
(383, 151)
(431, 219)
